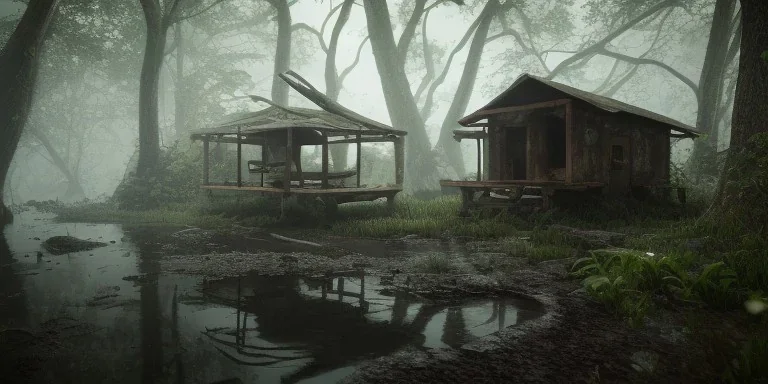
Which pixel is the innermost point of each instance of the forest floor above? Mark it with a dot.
(428, 252)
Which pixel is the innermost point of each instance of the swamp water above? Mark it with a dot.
(167, 327)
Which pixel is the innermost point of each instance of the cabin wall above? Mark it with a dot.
(588, 159)
(650, 153)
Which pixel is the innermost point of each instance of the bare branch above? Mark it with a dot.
(204, 10)
(328, 17)
(304, 26)
(349, 69)
(410, 30)
(600, 45)
(644, 61)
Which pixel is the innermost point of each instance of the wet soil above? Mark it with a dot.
(190, 305)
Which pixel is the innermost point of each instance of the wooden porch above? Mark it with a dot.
(504, 194)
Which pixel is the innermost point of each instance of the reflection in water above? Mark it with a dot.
(12, 299)
(311, 326)
(253, 329)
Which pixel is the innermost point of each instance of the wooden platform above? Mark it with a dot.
(339, 195)
(521, 191)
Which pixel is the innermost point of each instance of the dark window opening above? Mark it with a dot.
(556, 142)
(617, 158)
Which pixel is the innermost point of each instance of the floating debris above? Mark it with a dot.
(59, 245)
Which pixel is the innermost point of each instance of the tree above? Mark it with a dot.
(282, 50)
(19, 62)
(405, 115)
(741, 197)
(334, 81)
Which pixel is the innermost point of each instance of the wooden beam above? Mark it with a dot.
(399, 160)
(516, 183)
(488, 112)
(263, 159)
(359, 158)
(568, 142)
(206, 164)
(239, 160)
(325, 161)
(383, 191)
(479, 161)
(364, 140)
(288, 160)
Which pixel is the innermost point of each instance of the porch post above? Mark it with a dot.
(359, 157)
(325, 159)
(486, 163)
(399, 160)
(568, 141)
(479, 161)
(288, 160)
(239, 160)
(263, 158)
(206, 166)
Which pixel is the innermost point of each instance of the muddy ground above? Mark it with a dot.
(576, 340)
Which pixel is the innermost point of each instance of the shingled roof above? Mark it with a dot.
(562, 90)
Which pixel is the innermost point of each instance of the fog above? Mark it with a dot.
(89, 110)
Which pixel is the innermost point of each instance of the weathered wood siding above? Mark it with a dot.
(589, 161)
(650, 153)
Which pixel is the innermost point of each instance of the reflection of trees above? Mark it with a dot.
(13, 306)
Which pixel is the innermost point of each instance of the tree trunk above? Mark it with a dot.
(421, 168)
(19, 62)
(451, 147)
(149, 127)
(749, 113)
(283, 51)
(711, 85)
(74, 189)
(180, 116)
(339, 152)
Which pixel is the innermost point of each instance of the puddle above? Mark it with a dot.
(254, 328)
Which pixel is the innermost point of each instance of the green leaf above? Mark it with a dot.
(765, 55)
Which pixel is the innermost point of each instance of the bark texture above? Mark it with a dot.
(149, 129)
(333, 84)
(283, 50)
(180, 106)
(750, 112)
(420, 164)
(19, 62)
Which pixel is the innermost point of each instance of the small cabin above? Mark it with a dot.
(278, 133)
(544, 136)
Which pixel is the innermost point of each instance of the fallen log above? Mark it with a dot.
(288, 239)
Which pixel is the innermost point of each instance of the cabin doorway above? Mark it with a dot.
(516, 145)
(619, 165)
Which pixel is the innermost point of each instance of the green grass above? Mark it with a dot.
(433, 218)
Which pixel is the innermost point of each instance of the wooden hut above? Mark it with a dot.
(281, 131)
(541, 137)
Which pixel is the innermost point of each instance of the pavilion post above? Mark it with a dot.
(479, 160)
(486, 147)
(325, 160)
(263, 159)
(206, 165)
(239, 159)
(399, 160)
(288, 160)
(568, 142)
(359, 157)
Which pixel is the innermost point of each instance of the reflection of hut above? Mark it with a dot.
(281, 131)
(547, 136)
(296, 325)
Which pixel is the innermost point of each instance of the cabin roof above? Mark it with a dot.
(519, 93)
(333, 118)
(275, 118)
